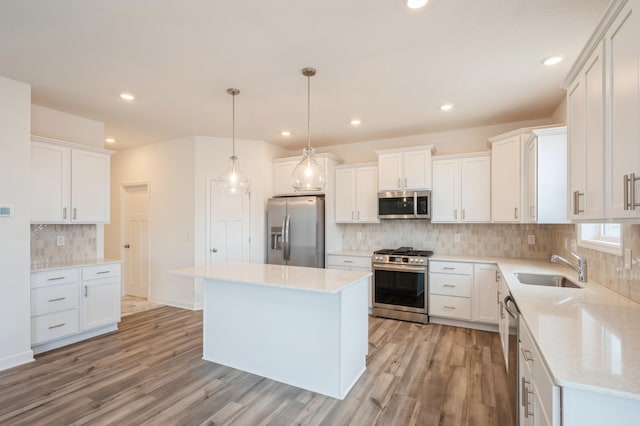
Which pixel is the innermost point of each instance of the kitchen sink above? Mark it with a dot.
(546, 280)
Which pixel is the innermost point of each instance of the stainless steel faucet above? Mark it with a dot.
(581, 269)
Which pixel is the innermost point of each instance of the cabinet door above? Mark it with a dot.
(390, 172)
(503, 319)
(445, 195)
(483, 296)
(475, 189)
(367, 194)
(417, 169)
(506, 181)
(345, 195)
(49, 183)
(282, 178)
(623, 111)
(90, 185)
(531, 197)
(100, 302)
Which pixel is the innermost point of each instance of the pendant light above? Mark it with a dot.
(308, 174)
(233, 181)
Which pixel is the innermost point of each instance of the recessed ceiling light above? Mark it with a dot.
(127, 96)
(552, 60)
(286, 133)
(446, 107)
(415, 4)
(110, 140)
(355, 122)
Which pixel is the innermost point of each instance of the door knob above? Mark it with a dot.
(214, 250)
(127, 246)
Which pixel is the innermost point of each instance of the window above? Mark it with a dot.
(605, 237)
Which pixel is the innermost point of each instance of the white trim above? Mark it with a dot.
(601, 246)
(16, 359)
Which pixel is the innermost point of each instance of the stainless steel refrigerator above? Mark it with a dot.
(295, 227)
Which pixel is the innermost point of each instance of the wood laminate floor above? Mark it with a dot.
(151, 372)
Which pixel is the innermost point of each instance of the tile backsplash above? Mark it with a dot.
(494, 240)
(79, 243)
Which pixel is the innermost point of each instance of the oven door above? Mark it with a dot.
(400, 287)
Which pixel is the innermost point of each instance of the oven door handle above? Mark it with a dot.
(400, 268)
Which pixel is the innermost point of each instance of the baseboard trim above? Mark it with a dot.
(177, 303)
(464, 324)
(16, 360)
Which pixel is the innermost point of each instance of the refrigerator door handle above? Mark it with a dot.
(285, 236)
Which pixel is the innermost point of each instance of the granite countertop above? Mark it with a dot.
(46, 266)
(293, 277)
(589, 337)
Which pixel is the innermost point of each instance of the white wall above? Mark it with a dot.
(168, 168)
(473, 139)
(71, 128)
(15, 323)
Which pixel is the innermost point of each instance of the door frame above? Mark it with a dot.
(123, 230)
(207, 220)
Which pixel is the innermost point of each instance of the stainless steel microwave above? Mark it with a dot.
(404, 205)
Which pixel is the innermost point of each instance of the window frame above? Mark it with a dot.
(601, 242)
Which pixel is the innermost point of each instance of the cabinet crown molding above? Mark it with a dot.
(326, 155)
(556, 128)
(462, 155)
(431, 148)
(42, 139)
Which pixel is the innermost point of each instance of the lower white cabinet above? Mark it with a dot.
(73, 304)
(463, 291)
(352, 261)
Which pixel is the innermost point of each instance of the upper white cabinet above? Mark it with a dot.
(69, 183)
(405, 168)
(461, 188)
(622, 88)
(585, 134)
(506, 179)
(283, 167)
(528, 176)
(603, 112)
(357, 193)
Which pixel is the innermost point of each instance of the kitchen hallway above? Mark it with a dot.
(151, 372)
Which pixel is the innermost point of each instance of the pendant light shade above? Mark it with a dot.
(308, 174)
(233, 181)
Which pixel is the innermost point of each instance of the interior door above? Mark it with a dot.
(136, 247)
(229, 226)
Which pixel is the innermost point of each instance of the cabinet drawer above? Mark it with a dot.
(58, 276)
(450, 267)
(450, 306)
(55, 298)
(349, 261)
(450, 284)
(55, 325)
(101, 271)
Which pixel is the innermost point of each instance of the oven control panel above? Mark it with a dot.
(412, 260)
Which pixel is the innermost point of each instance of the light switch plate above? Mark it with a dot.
(60, 240)
(627, 258)
(456, 238)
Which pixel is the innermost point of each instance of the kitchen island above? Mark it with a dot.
(305, 327)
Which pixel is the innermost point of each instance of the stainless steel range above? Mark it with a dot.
(400, 284)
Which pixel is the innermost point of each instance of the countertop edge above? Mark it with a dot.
(73, 264)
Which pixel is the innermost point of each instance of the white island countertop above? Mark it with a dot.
(589, 337)
(294, 277)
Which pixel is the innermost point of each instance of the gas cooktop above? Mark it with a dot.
(405, 251)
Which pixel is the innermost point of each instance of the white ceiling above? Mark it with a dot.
(376, 60)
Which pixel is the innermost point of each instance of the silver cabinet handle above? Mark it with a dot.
(449, 268)
(630, 191)
(85, 291)
(347, 261)
(515, 212)
(455, 214)
(57, 299)
(576, 202)
(449, 307)
(526, 354)
(448, 285)
(405, 182)
(398, 182)
(625, 190)
(55, 278)
(525, 397)
(497, 276)
(64, 213)
(75, 216)
(102, 272)
(463, 214)
(214, 250)
(57, 325)
(358, 216)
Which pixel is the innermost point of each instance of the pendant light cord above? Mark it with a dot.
(233, 123)
(308, 111)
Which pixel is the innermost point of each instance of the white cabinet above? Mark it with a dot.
(483, 293)
(69, 183)
(622, 88)
(357, 193)
(539, 401)
(405, 168)
(461, 188)
(352, 261)
(73, 304)
(283, 167)
(506, 179)
(503, 319)
(528, 176)
(101, 295)
(585, 134)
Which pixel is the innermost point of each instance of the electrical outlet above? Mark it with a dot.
(574, 245)
(358, 235)
(531, 239)
(456, 238)
(60, 240)
(627, 258)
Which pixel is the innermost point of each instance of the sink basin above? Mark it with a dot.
(546, 280)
